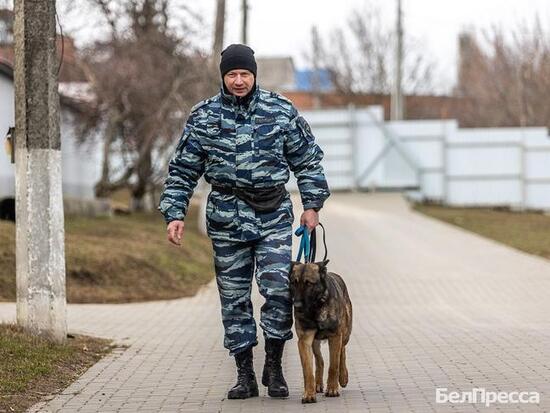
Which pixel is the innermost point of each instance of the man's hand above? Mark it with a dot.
(310, 218)
(175, 232)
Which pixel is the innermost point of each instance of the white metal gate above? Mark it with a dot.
(361, 151)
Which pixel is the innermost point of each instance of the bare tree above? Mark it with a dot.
(504, 76)
(145, 78)
(361, 57)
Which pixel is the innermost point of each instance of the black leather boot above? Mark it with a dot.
(246, 379)
(272, 376)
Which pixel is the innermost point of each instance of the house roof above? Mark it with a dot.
(276, 73)
(6, 68)
(73, 87)
(417, 106)
(69, 100)
(71, 70)
(311, 80)
(279, 74)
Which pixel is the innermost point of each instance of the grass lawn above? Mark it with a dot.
(526, 231)
(121, 259)
(32, 368)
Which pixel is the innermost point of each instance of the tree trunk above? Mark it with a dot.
(140, 189)
(101, 187)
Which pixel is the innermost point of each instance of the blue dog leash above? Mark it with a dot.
(308, 246)
(304, 243)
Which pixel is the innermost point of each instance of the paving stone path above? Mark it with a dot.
(434, 307)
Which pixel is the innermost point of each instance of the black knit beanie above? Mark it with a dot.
(238, 56)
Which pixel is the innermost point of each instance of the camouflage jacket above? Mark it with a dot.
(251, 142)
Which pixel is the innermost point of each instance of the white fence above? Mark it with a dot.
(459, 167)
(81, 165)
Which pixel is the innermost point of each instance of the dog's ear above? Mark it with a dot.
(322, 268)
(292, 264)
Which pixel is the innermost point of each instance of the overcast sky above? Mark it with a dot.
(282, 27)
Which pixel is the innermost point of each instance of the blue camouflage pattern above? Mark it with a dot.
(234, 263)
(252, 142)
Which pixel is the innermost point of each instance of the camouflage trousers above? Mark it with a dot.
(236, 263)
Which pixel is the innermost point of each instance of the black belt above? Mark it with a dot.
(261, 199)
(236, 190)
(226, 190)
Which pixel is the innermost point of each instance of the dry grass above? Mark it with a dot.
(121, 259)
(526, 231)
(32, 368)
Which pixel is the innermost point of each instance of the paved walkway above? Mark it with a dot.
(434, 306)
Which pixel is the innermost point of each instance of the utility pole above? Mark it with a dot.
(245, 22)
(316, 72)
(397, 98)
(40, 236)
(217, 47)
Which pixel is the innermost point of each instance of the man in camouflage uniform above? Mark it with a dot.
(241, 139)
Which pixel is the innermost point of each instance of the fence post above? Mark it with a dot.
(444, 164)
(523, 171)
(352, 114)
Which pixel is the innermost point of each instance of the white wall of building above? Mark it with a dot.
(7, 116)
(81, 164)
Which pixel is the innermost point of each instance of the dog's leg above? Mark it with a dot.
(319, 366)
(343, 379)
(335, 347)
(305, 342)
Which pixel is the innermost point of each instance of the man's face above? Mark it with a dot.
(239, 82)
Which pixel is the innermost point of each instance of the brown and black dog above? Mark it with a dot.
(322, 310)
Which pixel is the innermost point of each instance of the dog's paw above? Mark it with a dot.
(309, 398)
(332, 392)
(319, 388)
(343, 380)
(343, 377)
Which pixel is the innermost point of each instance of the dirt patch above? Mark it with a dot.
(122, 259)
(32, 368)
